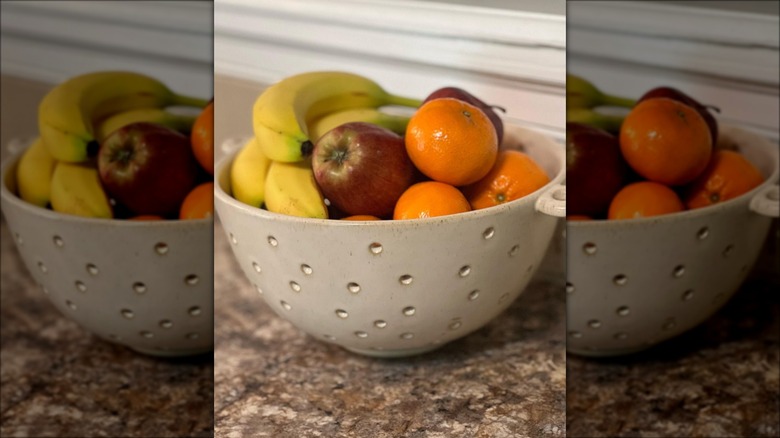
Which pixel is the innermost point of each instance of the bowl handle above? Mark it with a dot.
(553, 201)
(767, 201)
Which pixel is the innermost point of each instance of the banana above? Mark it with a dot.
(395, 123)
(159, 116)
(280, 113)
(33, 174)
(76, 189)
(248, 173)
(580, 93)
(67, 114)
(607, 122)
(290, 189)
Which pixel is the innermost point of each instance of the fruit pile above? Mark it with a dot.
(663, 157)
(108, 148)
(324, 146)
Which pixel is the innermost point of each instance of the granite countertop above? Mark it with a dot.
(272, 380)
(60, 380)
(721, 379)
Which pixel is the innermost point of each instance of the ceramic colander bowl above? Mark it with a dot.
(397, 288)
(147, 285)
(634, 283)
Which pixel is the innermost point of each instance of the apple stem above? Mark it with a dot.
(618, 101)
(403, 101)
(182, 100)
(713, 108)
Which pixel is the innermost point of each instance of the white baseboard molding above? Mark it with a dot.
(52, 41)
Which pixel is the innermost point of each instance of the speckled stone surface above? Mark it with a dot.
(272, 380)
(59, 380)
(721, 379)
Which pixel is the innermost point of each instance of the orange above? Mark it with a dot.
(451, 141)
(578, 217)
(202, 138)
(644, 199)
(728, 175)
(666, 141)
(514, 175)
(199, 203)
(361, 217)
(429, 199)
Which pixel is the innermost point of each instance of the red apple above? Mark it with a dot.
(460, 94)
(595, 170)
(148, 168)
(362, 168)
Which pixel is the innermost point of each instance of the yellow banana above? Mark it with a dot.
(33, 174)
(290, 189)
(607, 122)
(280, 113)
(395, 123)
(581, 93)
(248, 173)
(67, 114)
(76, 189)
(179, 122)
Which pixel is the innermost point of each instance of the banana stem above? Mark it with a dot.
(182, 100)
(403, 101)
(619, 101)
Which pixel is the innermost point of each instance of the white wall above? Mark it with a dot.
(50, 41)
(508, 57)
(719, 56)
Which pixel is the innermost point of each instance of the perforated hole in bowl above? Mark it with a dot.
(166, 323)
(464, 271)
(92, 269)
(194, 311)
(669, 324)
(353, 287)
(575, 334)
(139, 288)
(620, 336)
(257, 267)
(473, 295)
(728, 250)
(406, 279)
(380, 323)
(272, 241)
(80, 286)
(306, 269)
(503, 298)
(42, 267)
(375, 248)
(620, 280)
(687, 295)
(594, 323)
(259, 289)
(285, 305)
(488, 233)
(161, 248)
(407, 335)
(58, 242)
(678, 271)
(295, 286)
(233, 239)
(514, 250)
(409, 311)
(361, 334)
(70, 304)
(146, 334)
(569, 288)
(454, 325)
(341, 313)
(623, 311)
(703, 233)
(589, 248)
(191, 280)
(127, 313)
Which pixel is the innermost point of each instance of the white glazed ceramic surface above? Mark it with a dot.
(634, 283)
(144, 284)
(396, 288)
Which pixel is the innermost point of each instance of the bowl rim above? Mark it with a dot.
(773, 178)
(558, 151)
(14, 200)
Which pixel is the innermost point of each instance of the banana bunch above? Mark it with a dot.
(59, 169)
(274, 167)
(582, 97)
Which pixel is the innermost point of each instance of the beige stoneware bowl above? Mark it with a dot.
(397, 288)
(634, 283)
(147, 285)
